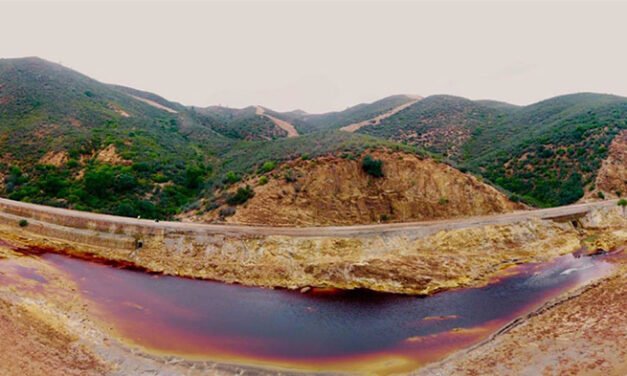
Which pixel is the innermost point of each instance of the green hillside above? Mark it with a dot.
(547, 153)
(68, 140)
(440, 123)
(308, 123)
(48, 108)
(244, 124)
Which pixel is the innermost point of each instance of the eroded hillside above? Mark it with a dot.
(611, 180)
(332, 190)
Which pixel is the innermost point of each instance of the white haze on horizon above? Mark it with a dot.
(327, 56)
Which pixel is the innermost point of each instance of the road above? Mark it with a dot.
(63, 216)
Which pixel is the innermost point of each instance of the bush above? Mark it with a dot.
(372, 167)
(241, 196)
(98, 180)
(268, 166)
(263, 180)
(193, 177)
(23, 223)
(601, 195)
(231, 177)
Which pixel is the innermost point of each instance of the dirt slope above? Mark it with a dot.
(336, 191)
(377, 119)
(289, 128)
(612, 176)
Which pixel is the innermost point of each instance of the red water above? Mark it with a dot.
(345, 330)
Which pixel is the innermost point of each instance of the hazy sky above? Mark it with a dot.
(328, 55)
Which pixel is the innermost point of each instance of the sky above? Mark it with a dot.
(324, 56)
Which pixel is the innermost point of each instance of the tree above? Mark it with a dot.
(97, 181)
(193, 177)
(372, 167)
(623, 204)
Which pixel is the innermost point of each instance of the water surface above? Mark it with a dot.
(353, 330)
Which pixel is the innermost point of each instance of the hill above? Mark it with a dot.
(245, 124)
(441, 123)
(547, 153)
(336, 190)
(68, 140)
(308, 123)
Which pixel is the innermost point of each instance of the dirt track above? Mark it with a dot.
(289, 128)
(377, 119)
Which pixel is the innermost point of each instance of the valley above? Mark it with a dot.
(408, 235)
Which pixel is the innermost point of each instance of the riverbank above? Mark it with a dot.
(408, 258)
(582, 333)
(49, 293)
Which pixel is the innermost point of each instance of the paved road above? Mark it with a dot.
(416, 228)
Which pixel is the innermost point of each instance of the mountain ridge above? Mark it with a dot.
(68, 140)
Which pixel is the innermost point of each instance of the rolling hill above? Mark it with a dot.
(547, 153)
(68, 140)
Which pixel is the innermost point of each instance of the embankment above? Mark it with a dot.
(414, 258)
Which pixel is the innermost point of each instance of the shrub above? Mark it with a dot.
(443, 201)
(99, 180)
(193, 177)
(268, 166)
(514, 197)
(159, 178)
(372, 167)
(263, 180)
(231, 177)
(242, 195)
(622, 203)
(601, 195)
(23, 223)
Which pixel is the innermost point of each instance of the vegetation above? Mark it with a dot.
(310, 123)
(244, 124)
(23, 223)
(70, 141)
(268, 166)
(242, 195)
(372, 167)
(545, 153)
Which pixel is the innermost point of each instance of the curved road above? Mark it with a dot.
(25, 210)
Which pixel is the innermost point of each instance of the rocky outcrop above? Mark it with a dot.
(611, 179)
(336, 191)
